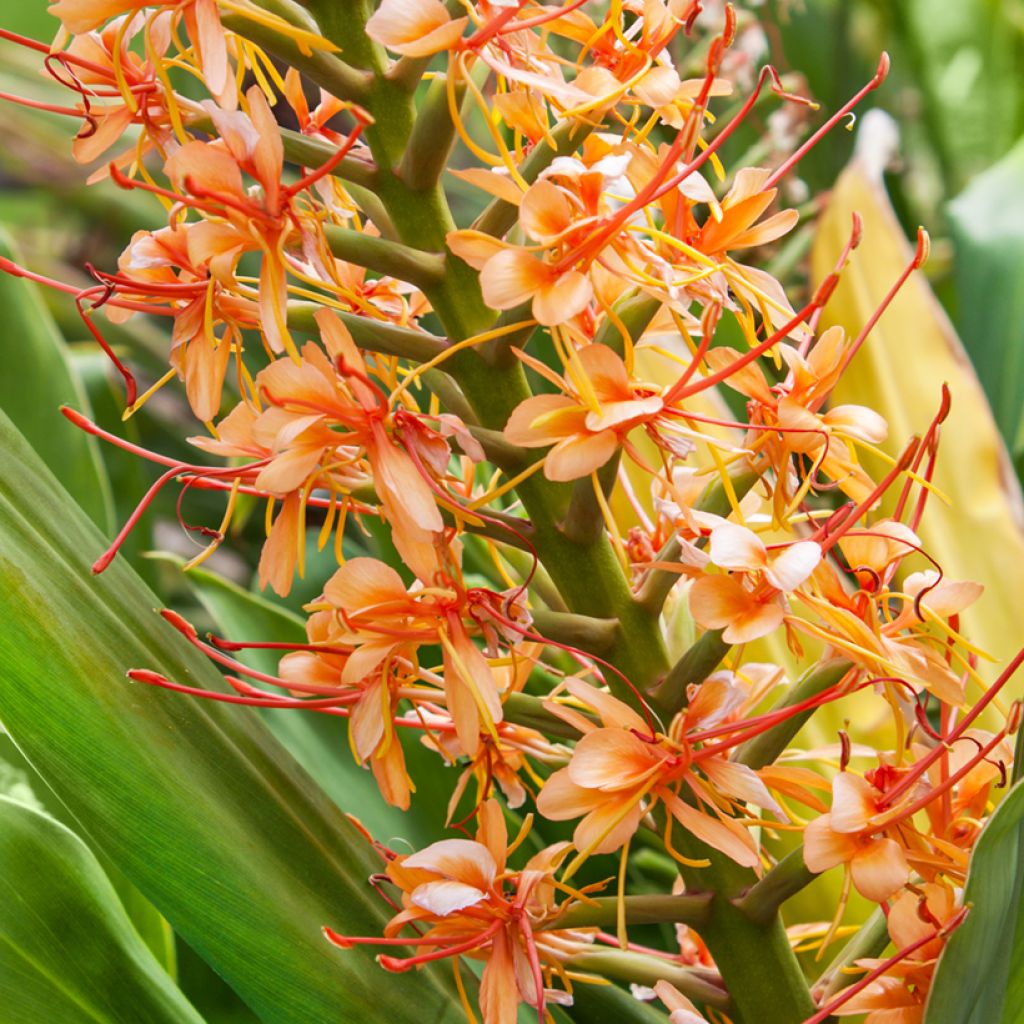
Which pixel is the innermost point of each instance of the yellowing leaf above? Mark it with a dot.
(899, 372)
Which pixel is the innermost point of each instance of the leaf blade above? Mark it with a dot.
(196, 803)
(74, 955)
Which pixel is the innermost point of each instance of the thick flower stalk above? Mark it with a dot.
(529, 398)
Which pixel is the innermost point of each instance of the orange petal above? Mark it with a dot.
(825, 848)
(206, 165)
(415, 28)
(725, 836)
(880, 869)
(560, 300)
(853, 803)
(580, 455)
(735, 547)
(362, 583)
(281, 550)
(445, 897)
(609, 825)
(510, 277)
(612, 759)
(545, 211)
(461, 860)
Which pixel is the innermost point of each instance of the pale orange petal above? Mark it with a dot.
(612, 759)
(580, 455)
(414, 27)
(825, 848)
(281, 551)
(791, 568)
(853, 802)
(445, 897)
(735, 547)
(545, 211)
(511, 277)
(362, 583)
(725, 836)
(880, 869)
(561, 299)
(461, 860)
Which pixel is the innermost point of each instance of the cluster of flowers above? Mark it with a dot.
(546, 384)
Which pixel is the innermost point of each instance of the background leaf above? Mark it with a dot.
(899, 372)
(194, 801)
(33, 387)
(68, 952)
(987, 221)
(980, 976)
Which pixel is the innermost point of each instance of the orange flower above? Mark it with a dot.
(900, 995)
(465, 901)
(749, 602)
(619, 771)
(588, 423)
(415, 28)
(381, 620)
(202, 19)
(376, 694)
(853, 834)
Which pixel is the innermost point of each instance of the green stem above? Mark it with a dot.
(638, 969)
(670, 695)
(375, 335)
(604, 911)
(757, 964)
(392, 258)
(763, 900)
(764, 749)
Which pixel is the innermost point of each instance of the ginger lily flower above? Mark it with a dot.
(851, 834)
(381, 620)
(917, 921)
(463, 900)
(618, 772)
(202, 20)
(748, 603)
(588, 423)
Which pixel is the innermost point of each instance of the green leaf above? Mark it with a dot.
(320, 742)
(36, 381)
(19, 782)
(194, 800)
(966, 58)
(980, 976)
(68, 952)
(987, 221)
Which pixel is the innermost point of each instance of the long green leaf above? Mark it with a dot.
(19, 782)
(980, 976)
(987, 220)
(36, 380)
(68, 952)
(199, 806)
